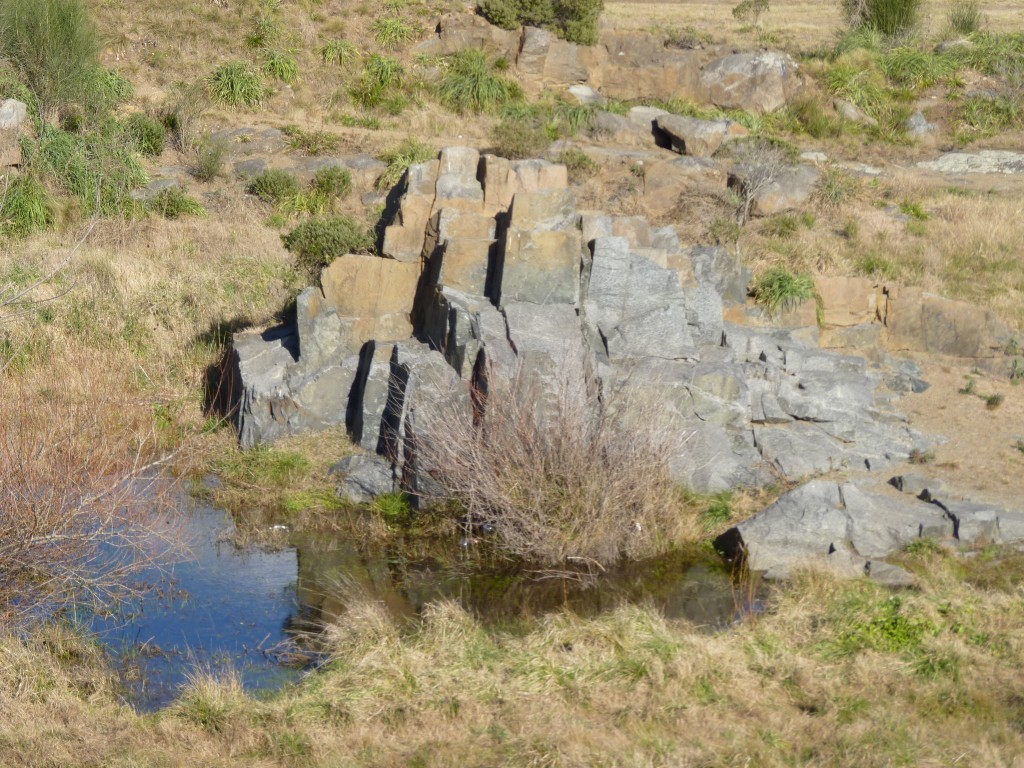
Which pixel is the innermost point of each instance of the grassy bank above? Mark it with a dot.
(842, 674)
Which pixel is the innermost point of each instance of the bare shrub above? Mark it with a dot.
(758, 165)
(564, 474)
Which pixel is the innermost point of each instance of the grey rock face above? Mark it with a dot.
(363, 477)
(504, 278)
(807, 526)
(13, 114)
(691, 136)
(985, 161)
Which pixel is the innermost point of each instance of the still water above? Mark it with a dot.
(252, 610)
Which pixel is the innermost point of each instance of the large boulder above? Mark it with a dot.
(754, 82)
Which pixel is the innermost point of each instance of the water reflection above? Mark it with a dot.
(226, 607)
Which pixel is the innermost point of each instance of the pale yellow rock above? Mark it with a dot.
(847, 301)
(373, 295)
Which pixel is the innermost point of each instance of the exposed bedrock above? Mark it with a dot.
(489, 271)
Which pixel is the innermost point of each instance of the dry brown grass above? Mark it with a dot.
(833, 674)
(803, 25)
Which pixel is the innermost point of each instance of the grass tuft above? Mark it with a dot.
(778, 290)
(409, 152)
(237, 84)
(471, 84)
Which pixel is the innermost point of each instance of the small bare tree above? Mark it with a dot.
(758, 164)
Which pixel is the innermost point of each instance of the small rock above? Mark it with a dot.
(13, 114)
(584, 94)
(364, 477)
(918, 125)
(850, 112)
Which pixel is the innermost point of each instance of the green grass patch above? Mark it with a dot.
(263, 467)
(472, 83)
(27, 207)
(409, 152)
(778, 290)
(237, 84)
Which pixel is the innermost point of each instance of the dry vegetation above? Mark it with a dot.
(115, 366)
(832, 674)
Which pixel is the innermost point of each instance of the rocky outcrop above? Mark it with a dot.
(841, 527)
(628, 66)
(489, 269)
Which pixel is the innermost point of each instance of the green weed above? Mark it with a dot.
(578, 164)
(332, 182)
(209, 158)
(380, 77)
(778, 289)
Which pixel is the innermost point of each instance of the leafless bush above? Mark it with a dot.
(75, 517)
(563, 475)
(758, 165)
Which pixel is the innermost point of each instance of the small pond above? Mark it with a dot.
(251, 609)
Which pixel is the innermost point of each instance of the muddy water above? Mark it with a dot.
(252, 609)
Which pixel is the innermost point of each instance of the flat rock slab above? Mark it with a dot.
(985, 161)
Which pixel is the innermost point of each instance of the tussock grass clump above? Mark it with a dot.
(173, 203)
(281, 65)
(964, 16)
(237, 84)
(311, 142)
(146, 134)
(381, 78)
(26, 206)
(778, 289)
(472, 84)
(562, 477)
(410, 152)
(339, 52)
(317, 242)
(95, 166)
(391, 32)
(889, 17)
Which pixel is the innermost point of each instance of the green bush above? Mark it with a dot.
(25, 207)
(274, 186)
(332, 182)
(778, 289)
(55, 47)
(317, 242)
(519, 138)
(889, 17)
(578, 164)
(236, 83)
(573, 20)
(146, 135)
(172, 203)
(471, 84)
